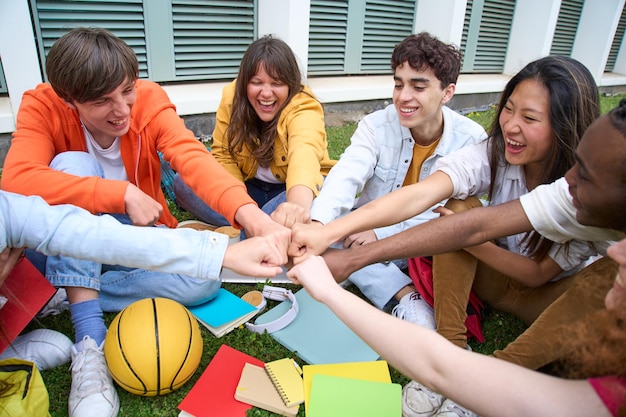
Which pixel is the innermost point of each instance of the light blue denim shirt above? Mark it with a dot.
(377, 161)
(71, 231)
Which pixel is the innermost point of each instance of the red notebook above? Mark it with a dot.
(213, 395)
(27, 291)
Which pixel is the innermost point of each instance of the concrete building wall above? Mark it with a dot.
(346, 98)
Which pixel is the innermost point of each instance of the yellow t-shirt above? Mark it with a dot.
(420, 154)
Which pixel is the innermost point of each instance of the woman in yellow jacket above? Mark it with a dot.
(270, 134)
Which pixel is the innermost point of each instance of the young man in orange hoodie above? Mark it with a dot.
(91, 138)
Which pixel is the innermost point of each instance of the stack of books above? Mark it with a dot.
(223, 313)
(341, 375)
(234, 382)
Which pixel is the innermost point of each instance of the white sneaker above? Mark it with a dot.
(414, 309)
(451, 409)
(92, 393)
(57, 304)
(46, 348)
(419, 401)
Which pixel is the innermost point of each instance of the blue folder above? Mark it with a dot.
(223, 308)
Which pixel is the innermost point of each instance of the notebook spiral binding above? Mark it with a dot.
(278, 386)
(285, 374)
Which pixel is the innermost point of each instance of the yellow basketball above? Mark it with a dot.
(153, 346)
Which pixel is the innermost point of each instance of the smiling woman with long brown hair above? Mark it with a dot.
(270, 134)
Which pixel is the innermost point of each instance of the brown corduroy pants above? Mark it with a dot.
(548, 310)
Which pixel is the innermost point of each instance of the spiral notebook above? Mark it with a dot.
(287, 378)
(256, 388)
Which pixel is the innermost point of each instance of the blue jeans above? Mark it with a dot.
(380, 282)
(119, 286)
(268, 196)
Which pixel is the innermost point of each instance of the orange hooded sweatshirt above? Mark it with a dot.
(46, 126)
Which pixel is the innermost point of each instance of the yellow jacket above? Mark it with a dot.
(300, 151)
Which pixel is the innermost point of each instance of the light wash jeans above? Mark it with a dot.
(267, 196)
(119, 286)
(379, 282)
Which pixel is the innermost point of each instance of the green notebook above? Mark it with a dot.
(370, 371)
(334, 396)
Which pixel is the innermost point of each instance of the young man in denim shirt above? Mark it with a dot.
(397, 146)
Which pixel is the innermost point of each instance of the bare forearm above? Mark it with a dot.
(394, 207)
(425, 356)
(528, 271)
(442, 235)
(465, 377)
(252, 219)
(300, 195)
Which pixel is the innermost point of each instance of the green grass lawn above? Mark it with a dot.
(499, 328)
